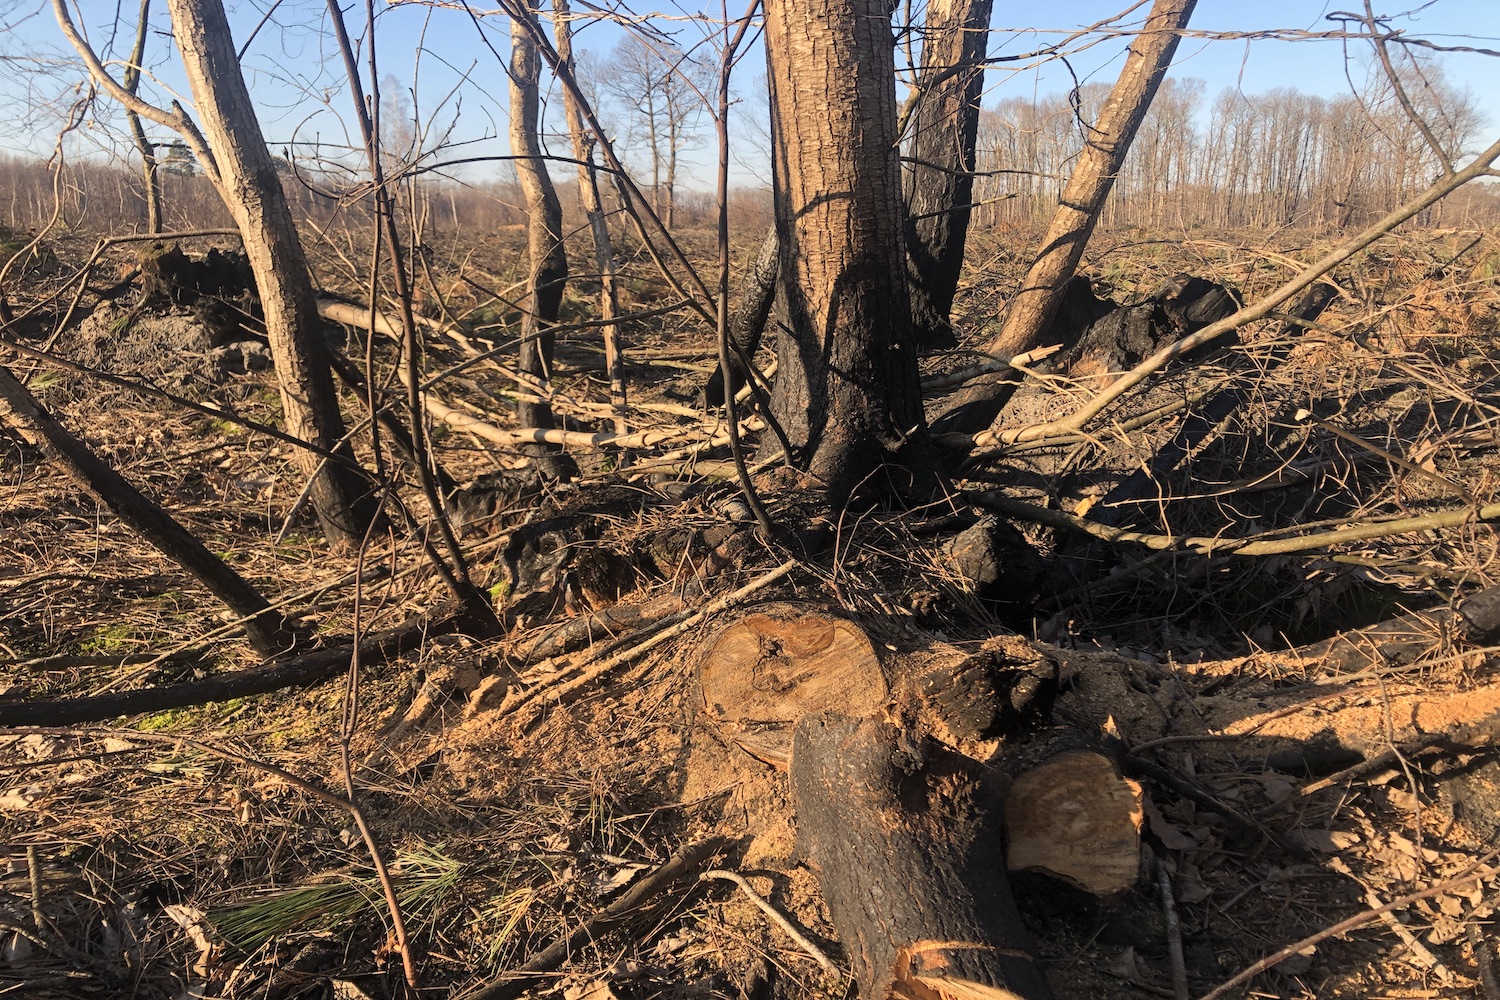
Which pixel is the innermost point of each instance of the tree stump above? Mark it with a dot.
(770, 668)
(905, 840)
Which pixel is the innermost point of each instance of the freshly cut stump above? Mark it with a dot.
(1076, 818)
(781, 662)
(905, 840)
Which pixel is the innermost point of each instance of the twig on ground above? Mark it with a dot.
(775, 915)
(1419, 953)
(1174, 930)
(1255, 545)
(1472, 874)
(684, 864)
(377, 861)
(669, 630)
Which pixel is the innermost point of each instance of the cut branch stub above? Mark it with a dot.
(1076, 818)
(782, 662)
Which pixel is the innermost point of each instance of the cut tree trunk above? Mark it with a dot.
(905, 840)
(251, 188)
(1076, 818)
(769, 669)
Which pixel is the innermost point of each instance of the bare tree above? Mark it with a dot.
(544, 240)
(943, 121)
(131, 80)
(847, 391)
(659, 90)
(235, 157)
(588, 195)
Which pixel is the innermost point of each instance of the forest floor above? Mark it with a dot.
(516, 790)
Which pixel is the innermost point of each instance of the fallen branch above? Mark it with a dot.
(1252, 546)
(1480, 167)
(1473, 874)
(670, 629)
(776, 917)
(297, 671)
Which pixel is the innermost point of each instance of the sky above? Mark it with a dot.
(436, 57)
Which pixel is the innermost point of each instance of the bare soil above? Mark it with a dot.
(168, 855)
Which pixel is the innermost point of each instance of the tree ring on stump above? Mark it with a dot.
(779, 662)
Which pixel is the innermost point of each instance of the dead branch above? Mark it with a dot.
(1255, 545)
(297, 671)
(1442, 188)
(1475, 873)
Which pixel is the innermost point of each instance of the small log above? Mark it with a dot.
(1479, 617)
(904, 838)
(1077, 818)
(772, 667)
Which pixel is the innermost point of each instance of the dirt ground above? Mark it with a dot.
(195, 852)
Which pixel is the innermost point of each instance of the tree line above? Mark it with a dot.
(1282, 158)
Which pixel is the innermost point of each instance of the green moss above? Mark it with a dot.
(109, 640)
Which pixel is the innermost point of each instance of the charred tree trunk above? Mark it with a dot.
(247, 179)
(847, 392)
(905, 841)
(544, 241)
(1109, 139)
(267, 631)
(944, 127)
(748, 323)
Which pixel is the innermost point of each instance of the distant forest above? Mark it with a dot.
(1279, 159)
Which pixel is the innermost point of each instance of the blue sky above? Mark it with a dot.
(297, 82)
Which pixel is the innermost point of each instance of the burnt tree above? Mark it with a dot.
(943, 123)
(544, 242)
(847, 392)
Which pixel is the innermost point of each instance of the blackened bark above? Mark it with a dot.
(906, 849)
(944, 130)
(748, 324)
(847, 391)
(267, 631)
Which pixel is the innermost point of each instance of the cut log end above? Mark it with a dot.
(1076, 818)
(769, 669)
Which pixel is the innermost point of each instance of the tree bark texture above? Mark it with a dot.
(847, 392)
(1031, 309)
(907, 842)
(593, 207)
(748, 322)
(265, 628)
(944, 129)
(544, 242)
(253, 194)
